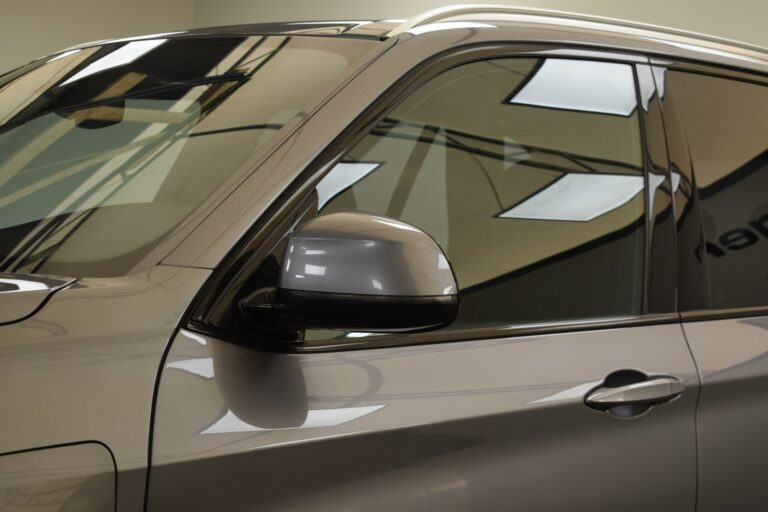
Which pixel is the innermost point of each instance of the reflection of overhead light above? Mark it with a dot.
(316, 418)
(146, 36)
(599, 87)
(342, 176)
(194, 337)
(314, 270)
(654, 182)
(202, 366)
(394, 224)
(330, 22)
(448, 25)
(675, 181)
(65, 54)
(22, 285)
(657, 180)
(578, 197)
(659, 76)
(712, 51)
(123, 55)
(362, 334)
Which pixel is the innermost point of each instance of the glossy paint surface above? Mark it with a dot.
(483, 425)
(354, 253)
(22, 294)
(732, 356)
(59, 479)
(473, 425)
(84, 367)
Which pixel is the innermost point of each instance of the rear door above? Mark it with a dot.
(545, 181)
(718, 125)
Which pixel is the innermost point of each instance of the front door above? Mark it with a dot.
(554, 389)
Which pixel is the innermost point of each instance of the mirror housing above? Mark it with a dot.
(362, 272)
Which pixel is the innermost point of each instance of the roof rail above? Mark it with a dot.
(452, 11)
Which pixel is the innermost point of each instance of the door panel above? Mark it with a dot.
(84, 367)
(65, 478)
(732, 356)
(484, 425)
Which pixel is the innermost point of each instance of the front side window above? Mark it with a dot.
(105, 149)
(528, 173)
(726, 122)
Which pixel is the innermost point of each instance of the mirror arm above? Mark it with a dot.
(260, 300)
(261, 310)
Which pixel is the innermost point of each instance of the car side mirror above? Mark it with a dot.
(362, 272)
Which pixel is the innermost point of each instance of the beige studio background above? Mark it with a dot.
(32, 28)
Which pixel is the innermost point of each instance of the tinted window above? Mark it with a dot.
(105, 149)
(727, 127)
(527, 172)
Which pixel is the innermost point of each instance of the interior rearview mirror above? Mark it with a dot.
(356, 271)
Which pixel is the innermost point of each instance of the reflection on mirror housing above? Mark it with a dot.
(356, 271)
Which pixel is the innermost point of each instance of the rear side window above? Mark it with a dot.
(727, 127)
(527, 172)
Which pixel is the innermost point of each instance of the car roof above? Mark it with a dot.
(549, 25)
(369, 29)
(467, 13)
(384, 29)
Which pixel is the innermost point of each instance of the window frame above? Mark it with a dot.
(289, 208)
(661, 65)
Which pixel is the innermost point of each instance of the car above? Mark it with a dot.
(487, 258)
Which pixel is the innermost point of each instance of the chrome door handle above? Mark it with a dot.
(650, 392)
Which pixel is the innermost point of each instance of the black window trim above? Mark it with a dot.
(659, 294)
(437, 337)
(259, 242)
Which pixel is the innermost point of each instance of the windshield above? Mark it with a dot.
(105, 150)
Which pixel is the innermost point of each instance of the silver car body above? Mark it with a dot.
(193, 422)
